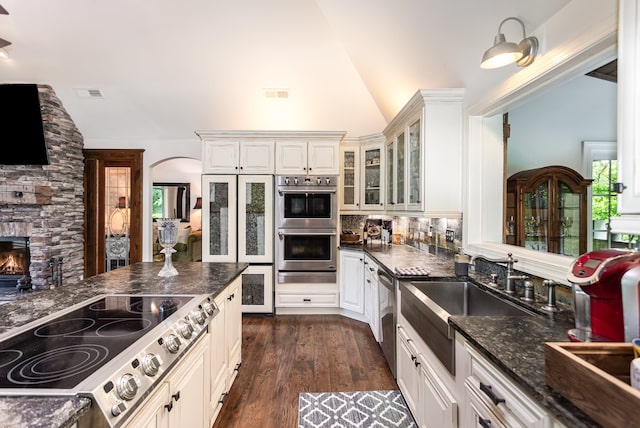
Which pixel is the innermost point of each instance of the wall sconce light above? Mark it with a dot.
(198, 205)
(503, 53)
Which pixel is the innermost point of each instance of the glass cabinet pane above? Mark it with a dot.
(117, 217)
(400, 169)
(348, 177)
(536, 215)
(218, 218)
(415, 181)
(253, 288)
(390, 196)
(569, 221)
(372, 176)
(255, 218)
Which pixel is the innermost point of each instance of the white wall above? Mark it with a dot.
(550, 129)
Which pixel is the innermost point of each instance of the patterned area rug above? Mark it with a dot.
(362, 409)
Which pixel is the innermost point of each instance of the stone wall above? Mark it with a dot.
(54, 218)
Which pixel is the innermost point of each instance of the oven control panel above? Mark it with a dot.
(146, 362)
(306, 181)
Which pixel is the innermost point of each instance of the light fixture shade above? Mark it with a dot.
(504, 53)
(198, 205)
(4, 54)
(501, 53)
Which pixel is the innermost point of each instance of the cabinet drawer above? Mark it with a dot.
(506, 401)
(320, 300)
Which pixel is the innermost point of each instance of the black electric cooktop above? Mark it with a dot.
(62, 352)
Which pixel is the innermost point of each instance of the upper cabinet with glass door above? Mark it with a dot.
(362, 169)
(424, 154)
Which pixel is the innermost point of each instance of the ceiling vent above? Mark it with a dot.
(276, 93)
(89, 93)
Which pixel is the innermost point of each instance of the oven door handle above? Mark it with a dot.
(283, 234)
(301, 191)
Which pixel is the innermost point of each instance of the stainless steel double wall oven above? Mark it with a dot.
(307, 212)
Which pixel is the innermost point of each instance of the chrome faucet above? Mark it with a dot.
(510, 278)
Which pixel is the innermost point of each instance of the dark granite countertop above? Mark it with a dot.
(140, 278)
(514, 344)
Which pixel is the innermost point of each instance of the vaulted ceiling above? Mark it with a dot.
(165, 68)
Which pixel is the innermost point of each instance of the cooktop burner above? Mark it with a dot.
(59, 354)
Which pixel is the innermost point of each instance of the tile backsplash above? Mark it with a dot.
(427, 234)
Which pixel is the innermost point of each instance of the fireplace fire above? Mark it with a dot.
(14, 261)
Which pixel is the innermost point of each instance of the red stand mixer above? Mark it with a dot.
(610, 279)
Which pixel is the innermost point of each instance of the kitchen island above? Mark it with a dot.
(140, 278)
(513, 344)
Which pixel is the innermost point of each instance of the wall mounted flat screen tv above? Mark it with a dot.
(21, 132)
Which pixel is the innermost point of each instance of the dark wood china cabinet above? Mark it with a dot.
(546, 210)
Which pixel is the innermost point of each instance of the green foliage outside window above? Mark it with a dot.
(156, 203)
(604, 203)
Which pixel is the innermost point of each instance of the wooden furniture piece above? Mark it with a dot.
(546, 210)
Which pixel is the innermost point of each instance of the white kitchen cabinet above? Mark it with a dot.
(371, 297)
(307, 158)
(350, 175)
(351, 281)
(372, 177)
(219, 214)
(628, 111)
(424, 154)
(225, 347)
(430, 399)
(182, 398)
(491, 397)
(153, 414)
(237, 153)
(189, 389)
(237, 218)
(257, 289)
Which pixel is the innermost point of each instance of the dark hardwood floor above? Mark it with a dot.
(288, 354)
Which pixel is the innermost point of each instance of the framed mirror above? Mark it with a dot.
(171, 200)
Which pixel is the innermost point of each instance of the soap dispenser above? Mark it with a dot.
(461, 263)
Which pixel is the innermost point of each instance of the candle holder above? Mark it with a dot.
(168, 237)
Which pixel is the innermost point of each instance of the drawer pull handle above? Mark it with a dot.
(306, 300)
(223, 397)
(176, 396)
(489, 392)
(169, 406)
(485, 423)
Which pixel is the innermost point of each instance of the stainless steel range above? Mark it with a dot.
(307, 210)
(112, 348)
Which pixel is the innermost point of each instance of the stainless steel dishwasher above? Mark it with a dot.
(388, 317)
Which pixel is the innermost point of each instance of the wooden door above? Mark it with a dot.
(96, 165)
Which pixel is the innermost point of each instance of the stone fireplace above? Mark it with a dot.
(44, 204)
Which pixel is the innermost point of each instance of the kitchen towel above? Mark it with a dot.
(362, 409)
(411, 271)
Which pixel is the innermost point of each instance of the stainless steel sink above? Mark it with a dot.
(427, 305)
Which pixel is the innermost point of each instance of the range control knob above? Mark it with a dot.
(208, 308)
(286, 180)
(319, 181)
(151, 364)
(127, 386)
(295, 180)
(328, 180)
(185, 329)
(198, 316)
(172, 342)
(118, 408)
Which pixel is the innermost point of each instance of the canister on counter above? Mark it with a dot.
(461, 263)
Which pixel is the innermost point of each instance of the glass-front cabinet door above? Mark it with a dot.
(372, 165)
(257, 289)
(391, 197)
(219, 218)
(255, 218)
(414, 167)
(400, 169)
(350, 164)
